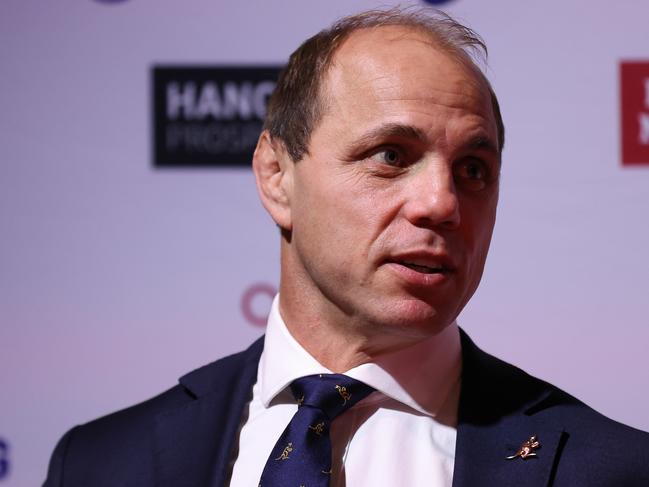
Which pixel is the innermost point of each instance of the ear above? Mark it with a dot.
(273, 170)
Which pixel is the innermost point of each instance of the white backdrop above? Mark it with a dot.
(116, 278)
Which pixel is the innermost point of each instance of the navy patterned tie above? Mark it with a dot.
(302, 455)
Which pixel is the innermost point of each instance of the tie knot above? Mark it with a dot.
(331, 393)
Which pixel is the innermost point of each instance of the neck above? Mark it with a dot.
(336, 348)
(427, 371)
(337, 338)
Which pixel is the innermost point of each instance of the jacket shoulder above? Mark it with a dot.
(593, 449)
(121, 444)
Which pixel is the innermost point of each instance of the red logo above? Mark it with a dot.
(634, 93)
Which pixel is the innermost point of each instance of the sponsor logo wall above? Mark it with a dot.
(134, 248)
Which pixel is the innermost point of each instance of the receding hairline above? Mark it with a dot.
(297, 104)
(434, 41)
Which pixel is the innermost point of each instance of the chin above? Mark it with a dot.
(415, 318)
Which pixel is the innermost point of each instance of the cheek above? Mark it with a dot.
(325, 217)
(477, 218)
(344, 215)
(476, 233)
(349, 202)
(478, 227)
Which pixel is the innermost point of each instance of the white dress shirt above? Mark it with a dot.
(402, 434)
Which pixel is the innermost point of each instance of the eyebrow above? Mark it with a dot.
(483, 143)
(391, 130)
(402, 131)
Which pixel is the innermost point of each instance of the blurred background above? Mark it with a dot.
(133, 247)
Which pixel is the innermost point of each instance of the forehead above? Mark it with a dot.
(378, 71)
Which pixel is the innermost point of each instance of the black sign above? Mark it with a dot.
(209, 116)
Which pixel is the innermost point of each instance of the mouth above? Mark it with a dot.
(424, 262)
(424, 268)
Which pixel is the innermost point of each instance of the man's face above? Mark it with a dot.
(393, 207)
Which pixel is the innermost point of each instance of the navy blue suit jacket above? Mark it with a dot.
(187, 436)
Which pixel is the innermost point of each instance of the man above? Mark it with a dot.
(380, 165)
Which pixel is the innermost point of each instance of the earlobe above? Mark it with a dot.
(273, 170)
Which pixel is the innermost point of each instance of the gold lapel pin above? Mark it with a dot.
(527, 449)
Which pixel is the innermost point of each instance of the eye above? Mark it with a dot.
(472, 174)
(389, 156)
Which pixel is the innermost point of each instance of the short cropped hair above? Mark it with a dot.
(297, 104)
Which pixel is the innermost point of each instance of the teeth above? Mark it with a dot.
(422, 268)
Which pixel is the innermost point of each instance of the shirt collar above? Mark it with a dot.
(425, 376)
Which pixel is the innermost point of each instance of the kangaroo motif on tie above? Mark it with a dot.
(318, 428)
(288, 449)
(302, 455)
(342, 390)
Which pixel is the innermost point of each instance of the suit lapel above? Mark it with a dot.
(498, 404)
(195, 440)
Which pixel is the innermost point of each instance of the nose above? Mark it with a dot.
(432, 199)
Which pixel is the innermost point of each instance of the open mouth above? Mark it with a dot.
(424, 269)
